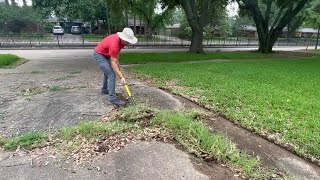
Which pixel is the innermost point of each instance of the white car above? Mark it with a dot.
(58, 30)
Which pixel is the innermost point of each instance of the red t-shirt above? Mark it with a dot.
(110, 46)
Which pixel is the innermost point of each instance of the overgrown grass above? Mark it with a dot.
(10, 60)
(28, 141)
(191, 133)
(195, 136)
(94, 130)
(275, 97)
(171, 57)
(88, 130)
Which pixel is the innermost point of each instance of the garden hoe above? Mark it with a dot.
(126, 87)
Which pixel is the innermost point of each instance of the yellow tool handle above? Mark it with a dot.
(127, 89)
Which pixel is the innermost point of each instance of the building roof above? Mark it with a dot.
(307, 30)
(173, 26)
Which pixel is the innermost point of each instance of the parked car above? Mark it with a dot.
(75, 30)
(58, 30)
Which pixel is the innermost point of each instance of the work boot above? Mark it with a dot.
(117, 102)
(105, 92)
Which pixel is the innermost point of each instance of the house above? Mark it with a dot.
(249, 31)
(137, 26)
(306, 32)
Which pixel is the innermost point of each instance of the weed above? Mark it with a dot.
(63, 78)
(75, 72)
(92, 129)
(28, 140)
(55, 88)
(196, 137)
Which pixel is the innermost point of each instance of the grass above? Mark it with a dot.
(195, 136)
(273, 97)
(30, 92)
(28, 141)
(55, 88)
(63, 78)
(191, 133)
(94, 130)
(172, 57)
(89, 130)
(10, 61)
(75, 72)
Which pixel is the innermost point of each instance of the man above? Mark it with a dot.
(106, 55)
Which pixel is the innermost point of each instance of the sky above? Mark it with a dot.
(20, 3)
(232, 9)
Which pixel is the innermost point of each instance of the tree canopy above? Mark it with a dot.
(270, 17)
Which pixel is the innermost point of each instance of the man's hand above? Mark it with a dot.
(123, 80)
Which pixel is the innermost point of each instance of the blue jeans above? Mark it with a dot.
(109, 81)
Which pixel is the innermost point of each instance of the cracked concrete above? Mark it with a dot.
(44, 108)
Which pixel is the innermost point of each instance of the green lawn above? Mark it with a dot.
(141, 58)
(279, 96)
(9, 60)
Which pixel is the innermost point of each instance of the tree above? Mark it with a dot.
(14, 17)
(198, 13)
(270, 21)
(145, 9)
(313, 20)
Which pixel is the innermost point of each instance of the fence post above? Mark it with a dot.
(30, 38)
(82, 40)
(58, 40)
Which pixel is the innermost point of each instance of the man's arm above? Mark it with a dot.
(116, 68)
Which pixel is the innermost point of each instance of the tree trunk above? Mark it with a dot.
(267, 39)
(108, 20)
(140, 26)
(318, 37)
(24, 2)
(127, 18)
(196, 43)
(7, 2)
(134, 24)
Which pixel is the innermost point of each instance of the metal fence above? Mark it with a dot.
(158, 40)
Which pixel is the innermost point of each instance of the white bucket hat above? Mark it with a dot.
(128, 35)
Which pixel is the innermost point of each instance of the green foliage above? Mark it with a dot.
(141, 58)
(14, 18)
(271, 17)
(7, 60)
(185, 31)
(28, 140)
(55, 88)
(195, 136)
(238, 23)
(93, 130)
(313, 13)
(274, 96)
(3, 141)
